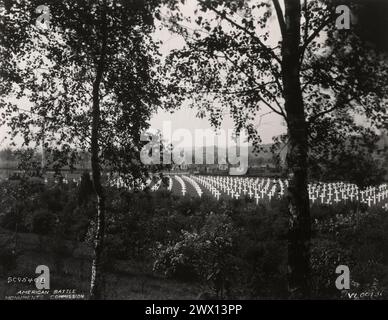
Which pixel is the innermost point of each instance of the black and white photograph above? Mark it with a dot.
(217, 152)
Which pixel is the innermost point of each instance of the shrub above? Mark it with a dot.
(43, 221)
(8, 260)
(208, 255)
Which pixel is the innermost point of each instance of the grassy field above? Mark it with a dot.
(131, 280)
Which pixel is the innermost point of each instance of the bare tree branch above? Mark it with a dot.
(307, 20)
(336, 106)
(315, 34)
(280, 16)
(252, 34)
(262, 87)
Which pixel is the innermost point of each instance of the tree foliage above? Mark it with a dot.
(231, 61)
(55, 68)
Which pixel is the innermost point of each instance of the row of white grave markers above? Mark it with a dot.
(329, 193)
(237, 187)
(182, 183)
(266, 189)
(117, 182)
(156, 186)
(64, 180)
(207, 185)
(169, 187)
(194, 184)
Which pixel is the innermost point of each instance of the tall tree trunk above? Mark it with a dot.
(96, 283)
(299, 275)
(96, 280)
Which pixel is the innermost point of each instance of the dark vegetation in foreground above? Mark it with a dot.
(161, 246)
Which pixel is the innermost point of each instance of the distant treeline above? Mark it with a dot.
(12, 158)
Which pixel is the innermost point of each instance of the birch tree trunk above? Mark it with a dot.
(96, 283)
